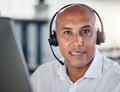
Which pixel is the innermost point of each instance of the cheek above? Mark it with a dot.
(63, 45)
(62, 42)
(90, 42)
(90, 45)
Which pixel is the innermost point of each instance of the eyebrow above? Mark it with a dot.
(86, 26)
(66, 28)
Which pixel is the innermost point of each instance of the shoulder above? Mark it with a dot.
(48, 66)
(46, 69)
(111, 74)
(43, 75)
(111, 67)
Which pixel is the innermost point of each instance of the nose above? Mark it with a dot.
(78, 40)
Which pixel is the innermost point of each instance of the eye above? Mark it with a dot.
(85, 32)
(67, 32)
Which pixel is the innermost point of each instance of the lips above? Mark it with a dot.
(77, 53)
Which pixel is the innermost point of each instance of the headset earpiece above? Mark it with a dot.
(53, 40)
(100, 37)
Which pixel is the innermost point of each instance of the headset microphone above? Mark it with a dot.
(52, 35)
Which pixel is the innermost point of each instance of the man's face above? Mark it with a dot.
(76, 35)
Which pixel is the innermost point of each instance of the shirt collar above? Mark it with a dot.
(94, 71)
(63, 73)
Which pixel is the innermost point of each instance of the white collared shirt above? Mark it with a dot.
(103, 75)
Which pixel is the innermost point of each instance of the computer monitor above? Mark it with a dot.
(14, 74)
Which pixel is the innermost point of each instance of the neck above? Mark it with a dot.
(77, 73)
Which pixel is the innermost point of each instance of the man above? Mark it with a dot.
(84, 69)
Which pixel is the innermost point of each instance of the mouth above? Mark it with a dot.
(77, 53)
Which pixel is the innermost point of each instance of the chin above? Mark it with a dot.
(79, 64)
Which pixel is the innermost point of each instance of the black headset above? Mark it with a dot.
(52, 35)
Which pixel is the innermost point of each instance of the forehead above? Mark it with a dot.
(75, 12)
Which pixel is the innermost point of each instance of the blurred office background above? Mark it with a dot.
(32, 18)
